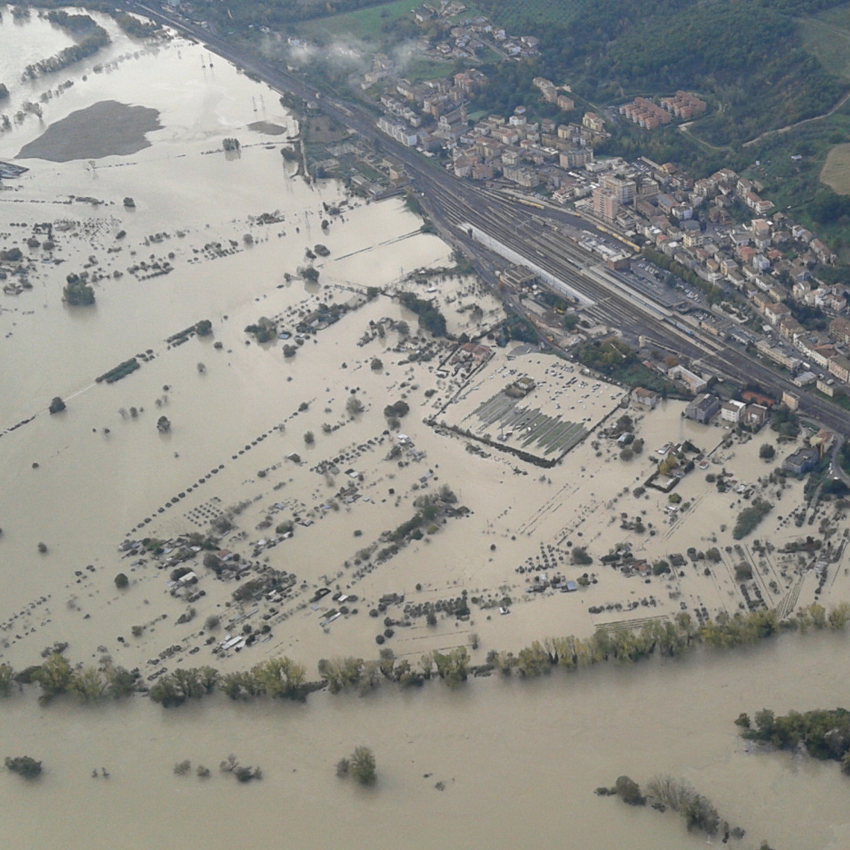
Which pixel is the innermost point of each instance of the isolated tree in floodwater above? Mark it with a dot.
(24, 766)
(362, 766)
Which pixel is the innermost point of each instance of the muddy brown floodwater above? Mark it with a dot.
(496, 763)
(519, 762)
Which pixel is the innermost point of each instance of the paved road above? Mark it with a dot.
(835, 470)
(454, 204)
(802, 123)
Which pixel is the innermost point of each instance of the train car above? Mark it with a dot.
(618, 237)
(526, 203)
(681, 326)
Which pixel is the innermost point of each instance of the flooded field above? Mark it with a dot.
(338, 481)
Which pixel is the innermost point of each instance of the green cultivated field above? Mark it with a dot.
(836, 170)
(420, 69)
(365, 24)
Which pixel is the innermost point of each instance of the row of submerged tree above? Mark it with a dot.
(824, 733)
(57, 676)
(283, 678)
(665, 638)
(667, 792)
(92, 37)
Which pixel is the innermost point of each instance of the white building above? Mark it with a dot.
(732, 411)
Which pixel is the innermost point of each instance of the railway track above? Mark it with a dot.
(531, 232)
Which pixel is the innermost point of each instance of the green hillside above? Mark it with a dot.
(827, 36)
(748, 58)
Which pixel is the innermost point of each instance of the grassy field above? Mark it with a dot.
(827, 36)
(836, 169)
(420, 69)
(365, 24)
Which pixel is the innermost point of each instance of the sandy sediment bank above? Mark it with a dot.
(106, 128)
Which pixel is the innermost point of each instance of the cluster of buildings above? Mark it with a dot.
(645, 113)
(684, 105)
(467, 358)
(430, 115)
(771, 261)
(524, 152)
(463, 39)
(552, 94)
(707, 406)
(649, 115)
(807, 457)
(690, 221)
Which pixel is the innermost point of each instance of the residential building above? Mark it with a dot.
(694, 383)
(398, 131)
(840, 329)
(790, 400)
(803, 460)
(547, 89)
(755, 416)
(703, 408)
(605, 203)
(624, 190)
(773, 312)
(593, 122)
(527, 177)
(575, 157)
(840, 367)
(645, 398)
(823, 441)
(732, 411)
(826, 386)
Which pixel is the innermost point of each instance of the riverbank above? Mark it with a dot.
(496, 743)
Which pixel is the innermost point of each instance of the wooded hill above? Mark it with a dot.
(746, 57)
